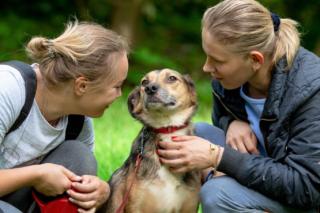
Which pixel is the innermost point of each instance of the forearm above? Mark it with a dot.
(276, 180)
(14, 179)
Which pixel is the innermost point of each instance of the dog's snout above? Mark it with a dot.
(151, 89)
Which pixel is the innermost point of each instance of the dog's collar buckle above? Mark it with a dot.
(169, 129)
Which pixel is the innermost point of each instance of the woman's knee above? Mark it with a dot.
(7, 208)
(225, 194)
(75, 156)
(210, 133)
(210, 195)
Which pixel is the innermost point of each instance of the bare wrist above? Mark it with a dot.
(37, 174)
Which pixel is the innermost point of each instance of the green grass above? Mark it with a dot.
(116, 130)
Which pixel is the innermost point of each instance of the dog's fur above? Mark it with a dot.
(164, 98)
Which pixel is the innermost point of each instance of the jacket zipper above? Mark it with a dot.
(226, 108)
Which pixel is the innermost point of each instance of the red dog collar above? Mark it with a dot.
(169, 129)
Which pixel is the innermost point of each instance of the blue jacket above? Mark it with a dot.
(290, 124)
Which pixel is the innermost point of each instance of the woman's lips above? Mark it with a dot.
(217, 78)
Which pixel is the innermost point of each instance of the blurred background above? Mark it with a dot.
(162, 33)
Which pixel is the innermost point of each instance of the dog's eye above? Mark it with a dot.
(172, 78)
(144, 82)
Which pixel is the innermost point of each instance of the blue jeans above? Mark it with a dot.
(225, 194)
(73, 155)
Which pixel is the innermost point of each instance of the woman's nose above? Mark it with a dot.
(206, 67)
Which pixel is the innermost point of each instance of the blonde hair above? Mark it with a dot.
(246, 25)
(83, 49)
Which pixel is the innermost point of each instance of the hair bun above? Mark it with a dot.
(37, 47)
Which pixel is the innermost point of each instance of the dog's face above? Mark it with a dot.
(164, 97)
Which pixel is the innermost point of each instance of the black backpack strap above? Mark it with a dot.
(75, 125)
(75, 122)
(30, 79)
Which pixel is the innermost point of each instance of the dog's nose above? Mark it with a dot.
(151, 89)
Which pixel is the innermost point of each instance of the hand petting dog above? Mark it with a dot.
(186, 153)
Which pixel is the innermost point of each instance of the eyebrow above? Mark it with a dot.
(121, 82)
(214, 57)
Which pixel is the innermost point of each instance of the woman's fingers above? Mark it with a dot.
(84, 204)
(169, 145)
(174, 163)
(169, 154)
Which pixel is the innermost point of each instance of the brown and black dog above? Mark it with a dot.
(164, 103)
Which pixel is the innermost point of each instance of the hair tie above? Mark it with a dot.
(52, 53)
(276, 21)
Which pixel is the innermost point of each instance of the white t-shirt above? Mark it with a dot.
(35, 137)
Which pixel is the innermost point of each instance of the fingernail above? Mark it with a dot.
(71, 199)
(78, 178)
(173, 137)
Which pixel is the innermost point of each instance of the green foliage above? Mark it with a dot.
(167, 32)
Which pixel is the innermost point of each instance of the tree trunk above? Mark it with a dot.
(126, 18)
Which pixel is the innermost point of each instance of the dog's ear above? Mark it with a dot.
(191, 87)
(134, 102)
(189, 81)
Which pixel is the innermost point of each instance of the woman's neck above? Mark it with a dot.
(52, 103)
(258, 86)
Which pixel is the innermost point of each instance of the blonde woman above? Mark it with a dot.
(266, 91)
(79, 72)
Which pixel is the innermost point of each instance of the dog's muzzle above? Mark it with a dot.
(151, 89)
(156, 95)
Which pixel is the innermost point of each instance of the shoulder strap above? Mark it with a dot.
(29, 77)
(75, 122)
(75, 125)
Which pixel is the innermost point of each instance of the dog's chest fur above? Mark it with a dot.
(170, 191)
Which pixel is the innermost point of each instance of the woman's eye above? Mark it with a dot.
(144, 82)
(172, 78)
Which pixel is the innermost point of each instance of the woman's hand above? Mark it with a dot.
(186, 153)
(241, 137)
(53, 179)
(90, 194)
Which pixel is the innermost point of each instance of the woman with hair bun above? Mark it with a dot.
(265, 139)
(78, 73)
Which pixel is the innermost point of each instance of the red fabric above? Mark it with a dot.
(61, 205)
(169, 129)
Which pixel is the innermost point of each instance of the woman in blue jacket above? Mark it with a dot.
(266, 91)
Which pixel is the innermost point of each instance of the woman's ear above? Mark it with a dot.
(257, 60)
(80, 85)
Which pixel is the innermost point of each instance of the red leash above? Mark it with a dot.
(126, 196)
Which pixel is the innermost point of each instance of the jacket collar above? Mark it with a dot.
(276, 90)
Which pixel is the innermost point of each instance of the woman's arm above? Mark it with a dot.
(48, 179)
(14, 179)
(295, 178)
